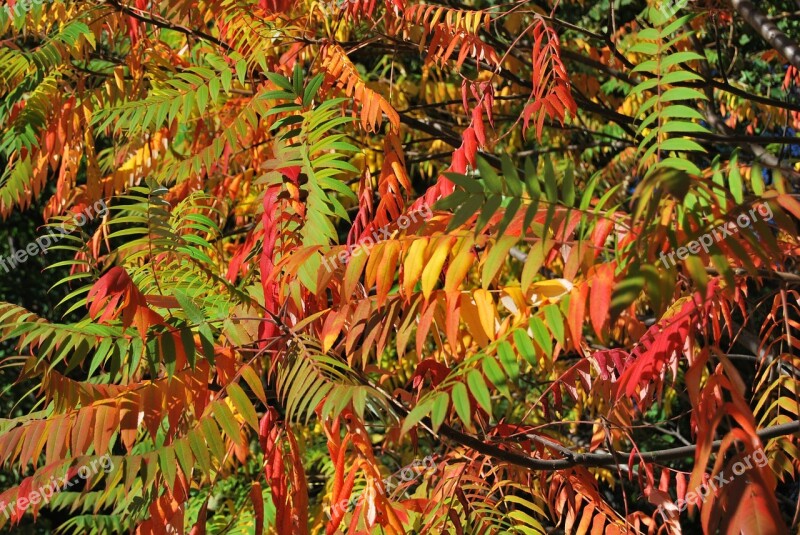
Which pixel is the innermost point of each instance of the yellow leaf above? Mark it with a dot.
(460, 266)
(387, 269)
(414, 262)
(371, 273)
(486, 311)
(470, 315)
(352, 273)
(533, 263)
(513, 300)
(430, 275)
(550, 291)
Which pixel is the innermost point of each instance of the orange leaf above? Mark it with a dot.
(486, 311)
(577, 311)
(600, 302)
(332, 327)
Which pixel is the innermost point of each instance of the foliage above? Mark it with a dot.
(344, 237)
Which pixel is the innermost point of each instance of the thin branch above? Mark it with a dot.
(597, 459)
(168, 25)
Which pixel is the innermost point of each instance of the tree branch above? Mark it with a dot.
(570, 459)
(168, 25)
(595, 459)
(768, 31)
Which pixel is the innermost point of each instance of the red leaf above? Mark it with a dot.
(752, 508)
(258, 506)
(438, 372)
(115, 295)
(550, 94)
(200, 527)
(477, 123)
(600, 303)
(470, 145)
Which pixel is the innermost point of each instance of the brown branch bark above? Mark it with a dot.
(595, 459)
(122, 8)
(570, 459)
(781, 42)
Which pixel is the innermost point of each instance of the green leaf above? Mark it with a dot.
(508, 359)
(254, 382)
(681, 164)
(532, 179)
(213, 439)
(417, 413)
(647, 49)
(551, 191)
(168, 465)
(297, 79)
(682, 127)
(681, 144)
(200, 450)
(756, 180)
(530, 215)
(479, 391)
(168, 353)
(735, 181)
(626, 292)
(525, 346)
(460, 398)
(541, 335)
(677, 24)
(496, 259)
(276, 79)
(532, 266)
(243, 405)
(495, 375)
(487, 211)
(207, 341)
(679, 57)
(192, 311)
(468, 183)
(682, 93)
(650, 65)
(465, 212)
(184, 455)
(679, 111)
(698, 272)
(568, 186)
(511, 176)
(509, 214)
(225, 417)
(555, 322)
(676, 77)
(648, 34)
(489, 176)
(360, 402)
(440, 405)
